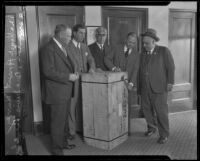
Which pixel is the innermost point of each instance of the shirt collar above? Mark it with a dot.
(75, 43)
(99, 45)
(151, 51)
(125, 49)
(59, 44)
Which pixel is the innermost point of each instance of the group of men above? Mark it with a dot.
(65, 57)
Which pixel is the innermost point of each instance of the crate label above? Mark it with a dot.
(120, 109)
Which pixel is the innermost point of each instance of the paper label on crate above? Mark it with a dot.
(120, 109)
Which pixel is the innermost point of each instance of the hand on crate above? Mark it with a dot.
(73, 76)
(99, 70)
(130, 86)
(116, 69)
(91, 71)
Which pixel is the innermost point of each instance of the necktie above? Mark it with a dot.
(101, 47)
(126, 53)
(147, 56)
(78, 45)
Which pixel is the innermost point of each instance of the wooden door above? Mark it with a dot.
(48, 18)
(16, 65)
(120, 21)
(182, 45)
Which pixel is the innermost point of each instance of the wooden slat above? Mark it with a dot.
(104, 77)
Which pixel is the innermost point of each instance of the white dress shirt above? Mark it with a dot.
(77, 44)
(126, 48)
(100, 45)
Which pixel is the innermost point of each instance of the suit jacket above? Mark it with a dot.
(88, 60)
(129, 64)
(160, 69)
(56, 67)
(98, 55)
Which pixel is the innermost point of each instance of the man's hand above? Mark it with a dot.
(99, 70)
(117, 69)
(130, 86)
(169, 87)
(73, 76)
(91, 71)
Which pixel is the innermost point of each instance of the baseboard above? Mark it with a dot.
(38, 128)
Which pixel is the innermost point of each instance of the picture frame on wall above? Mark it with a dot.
(91, 34)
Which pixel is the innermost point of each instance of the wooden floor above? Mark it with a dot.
(182, 143)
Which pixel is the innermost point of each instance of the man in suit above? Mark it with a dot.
(84, 62)
(99, 49)
(58, 72)
(126, 58)
(156, 78)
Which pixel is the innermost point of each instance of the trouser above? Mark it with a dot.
(132, 100)
(72, 112)
(75, 117)
(155, 110)
(59, 125)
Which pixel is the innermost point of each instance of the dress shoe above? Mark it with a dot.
(162, 140)
(69, 146)
(149, 132)
(71, 137)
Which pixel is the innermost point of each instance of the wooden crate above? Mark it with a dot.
(105, 109)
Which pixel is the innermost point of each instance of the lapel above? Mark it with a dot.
(73, 51)
(131, 58)
(60, 53)
(97, 47)
(154, 55)
(121, 52)
(70, 58)
(83, 54)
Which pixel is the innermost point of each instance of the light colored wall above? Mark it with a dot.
(92, 15)
(34, 62)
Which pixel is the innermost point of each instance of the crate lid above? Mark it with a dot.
(104, 77)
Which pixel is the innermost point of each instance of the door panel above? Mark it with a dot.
(48, 18)
(120, 21)
(181, 44)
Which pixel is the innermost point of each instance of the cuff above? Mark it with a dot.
(131, 84)
(113, 68)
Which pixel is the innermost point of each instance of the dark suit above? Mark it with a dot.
(129, 64)
(83, 62)
(99, 55)
(57, 90)
(156, 71)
